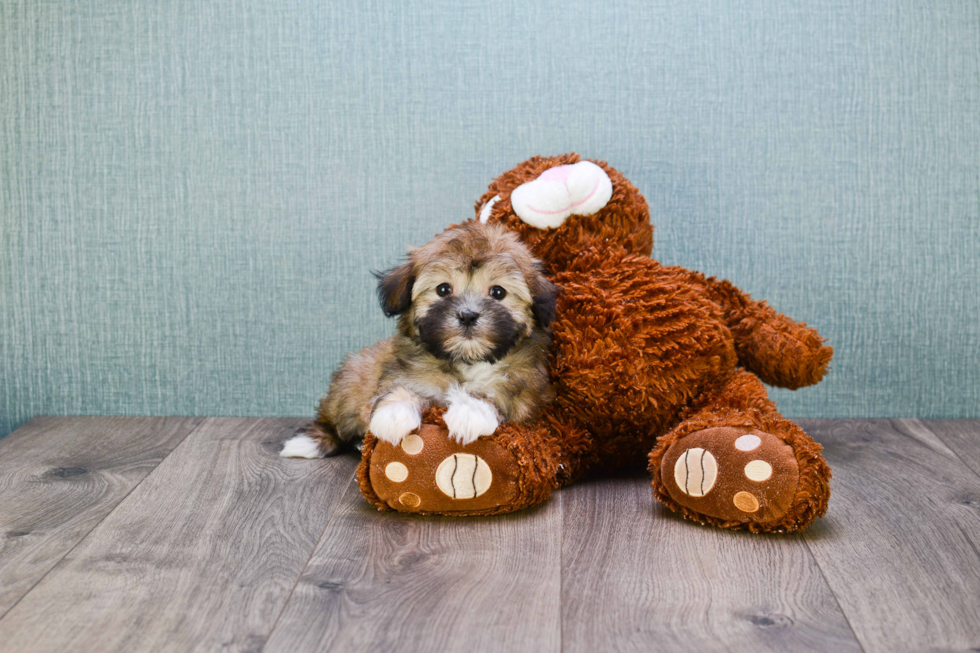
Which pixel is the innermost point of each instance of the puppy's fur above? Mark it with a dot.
(473, 333)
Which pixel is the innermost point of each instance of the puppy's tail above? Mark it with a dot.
(315, 440)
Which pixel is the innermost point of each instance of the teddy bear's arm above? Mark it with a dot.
(781, 351)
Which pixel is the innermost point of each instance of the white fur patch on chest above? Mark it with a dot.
(482, 378)
(428, 389)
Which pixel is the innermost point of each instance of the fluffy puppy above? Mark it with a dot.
(473, 334)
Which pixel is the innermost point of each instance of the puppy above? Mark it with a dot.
(473, 334)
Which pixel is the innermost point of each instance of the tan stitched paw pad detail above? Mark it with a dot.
(431, 473)
(463, 476)
(729, 474)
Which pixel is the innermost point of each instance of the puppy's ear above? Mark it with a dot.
(544, 299)
(395, 289)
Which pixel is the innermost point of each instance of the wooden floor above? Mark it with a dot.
(181, 534)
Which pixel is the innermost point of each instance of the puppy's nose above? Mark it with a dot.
(467, 317)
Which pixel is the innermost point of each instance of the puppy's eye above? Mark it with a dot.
(498, 293)
(444, 290)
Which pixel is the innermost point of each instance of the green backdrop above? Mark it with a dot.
(193, 193)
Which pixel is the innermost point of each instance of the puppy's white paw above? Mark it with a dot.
(301, 446)
(392, 421)
(468, 417)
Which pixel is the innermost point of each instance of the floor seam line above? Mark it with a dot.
(959, 458)
(806, 542)
(826, 581)
(100, 522)
(847, 619)
(299, 577)
(561, 573)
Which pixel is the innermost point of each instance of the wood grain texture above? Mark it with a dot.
(390, 582)
(201, 556)
(209, 551)
(900, 546)
(639, 578)
(60, 476)
(962, 436)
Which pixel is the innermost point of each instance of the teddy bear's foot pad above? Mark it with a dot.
(732, 474)
(431, 473)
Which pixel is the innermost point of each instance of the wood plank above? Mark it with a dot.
(201, 556)
(60, 477)
(962, 436)
(637, 577)
(393, 582)
(901, 544)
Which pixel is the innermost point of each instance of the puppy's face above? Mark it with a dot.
(470, 294)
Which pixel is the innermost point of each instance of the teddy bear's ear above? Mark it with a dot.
(546, 202)
(395, 289)
(487, 208)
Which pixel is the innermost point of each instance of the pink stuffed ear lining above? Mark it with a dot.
(569, 208)
(547, 201)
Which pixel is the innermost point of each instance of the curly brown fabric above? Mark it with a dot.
(741, 401)
(646, 357)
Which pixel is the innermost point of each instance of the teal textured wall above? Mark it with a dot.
(193, 193)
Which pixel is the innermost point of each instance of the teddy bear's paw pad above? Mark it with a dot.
(431, 473)
(695, 472)
(728, 473)
(463, 476)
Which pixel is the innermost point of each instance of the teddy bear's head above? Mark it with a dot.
(562, 206)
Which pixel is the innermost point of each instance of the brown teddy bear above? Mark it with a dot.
(651, 364)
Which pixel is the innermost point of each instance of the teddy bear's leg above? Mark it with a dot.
(735, 462)
(430, 473)
(779, 350)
